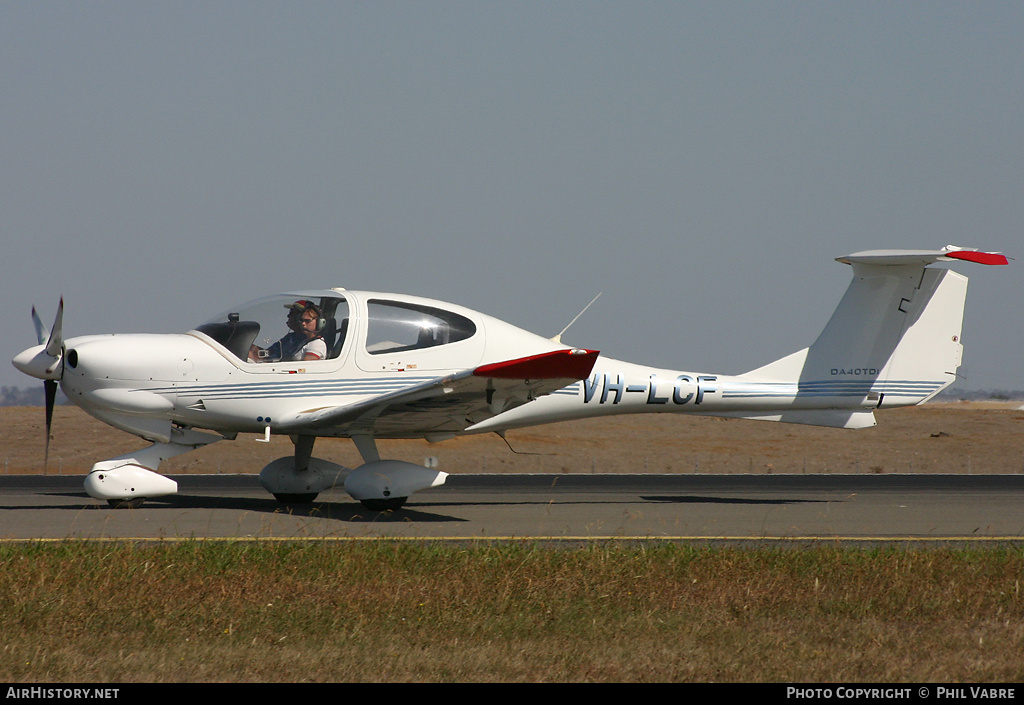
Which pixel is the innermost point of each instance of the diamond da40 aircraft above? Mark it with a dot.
(365, 365)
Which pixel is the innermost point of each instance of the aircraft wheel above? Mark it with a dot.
(295, 498)
(384, 505)
(133, 503)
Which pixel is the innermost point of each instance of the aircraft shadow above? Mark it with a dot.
(693, 499)
(349, 511)
(335, 511)
(353, 512)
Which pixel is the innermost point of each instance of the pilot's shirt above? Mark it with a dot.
(295, 347)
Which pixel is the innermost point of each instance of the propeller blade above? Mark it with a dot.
(50, 389)
(42, 332)
(55, 342)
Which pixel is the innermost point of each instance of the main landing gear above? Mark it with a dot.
(379, 485)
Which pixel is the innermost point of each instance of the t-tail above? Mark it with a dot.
(894, 340)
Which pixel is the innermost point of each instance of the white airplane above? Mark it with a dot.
(365, 365)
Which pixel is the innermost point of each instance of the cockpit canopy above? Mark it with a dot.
(253, 332)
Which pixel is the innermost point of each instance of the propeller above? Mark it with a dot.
(46, 361)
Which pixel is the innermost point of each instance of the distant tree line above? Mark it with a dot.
(27, 396)
(954, 394)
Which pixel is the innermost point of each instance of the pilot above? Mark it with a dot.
(303, 343)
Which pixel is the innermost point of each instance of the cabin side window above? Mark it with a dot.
(398, 327)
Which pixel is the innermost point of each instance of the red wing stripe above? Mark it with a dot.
(979, 257)
(558, 364)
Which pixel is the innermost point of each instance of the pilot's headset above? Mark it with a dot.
(303, 305)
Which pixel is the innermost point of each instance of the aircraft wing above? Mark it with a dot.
(449, 404)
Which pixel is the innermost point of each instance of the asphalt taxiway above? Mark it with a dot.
(855, 508)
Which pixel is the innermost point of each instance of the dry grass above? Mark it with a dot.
(934, 438)
(208, 611)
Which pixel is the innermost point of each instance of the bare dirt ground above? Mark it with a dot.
(958, 438)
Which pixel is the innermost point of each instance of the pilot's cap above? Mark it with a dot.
(302, 305)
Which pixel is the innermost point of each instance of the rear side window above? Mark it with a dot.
(398, 327)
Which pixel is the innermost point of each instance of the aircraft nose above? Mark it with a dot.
(138, 357)
(35, 362)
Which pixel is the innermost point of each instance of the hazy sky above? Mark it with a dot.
(700, 163)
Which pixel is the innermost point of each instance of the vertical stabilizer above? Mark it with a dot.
(895, 336)
(894, 339)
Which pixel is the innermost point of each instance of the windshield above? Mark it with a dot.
(283, 328)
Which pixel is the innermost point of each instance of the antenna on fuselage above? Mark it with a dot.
(558, 338)
(501, 434)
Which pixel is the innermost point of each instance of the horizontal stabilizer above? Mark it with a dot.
(948, 253)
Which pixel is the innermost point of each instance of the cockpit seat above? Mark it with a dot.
(334, 335)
